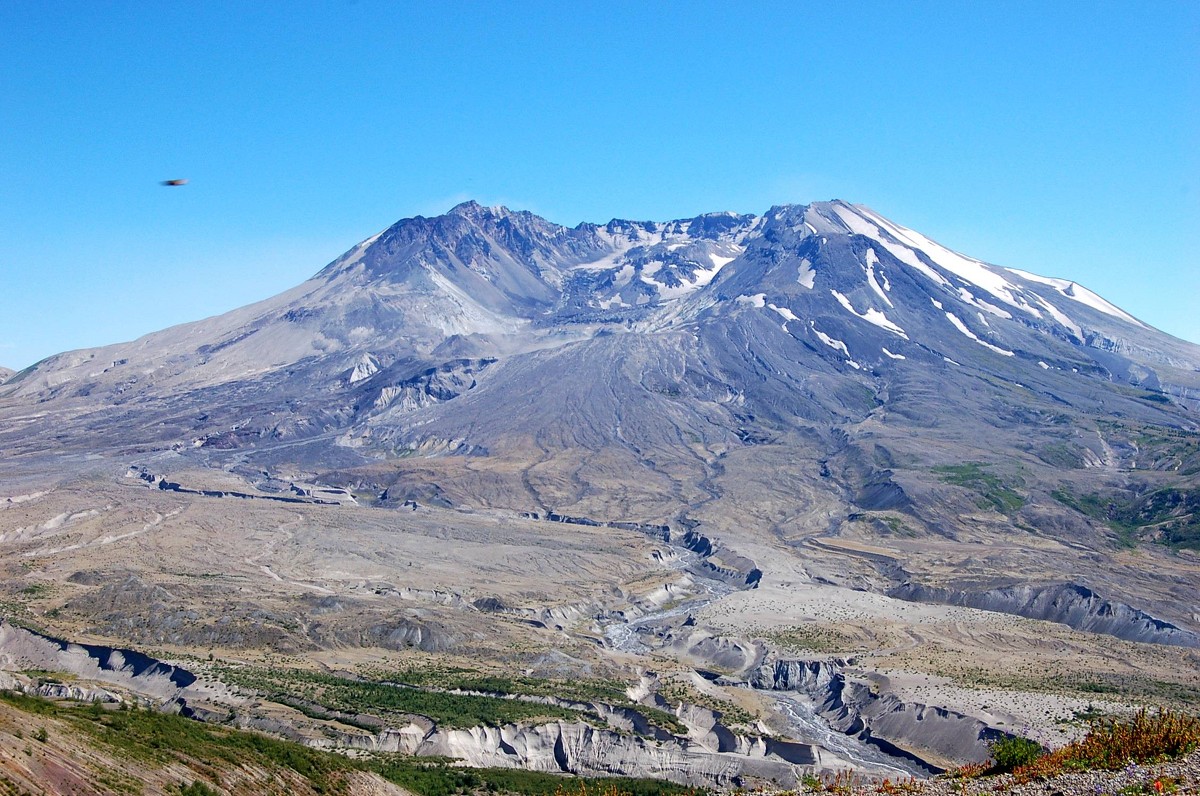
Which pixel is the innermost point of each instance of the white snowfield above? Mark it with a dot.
(1077, 292)
(882, 290)
(926, 257)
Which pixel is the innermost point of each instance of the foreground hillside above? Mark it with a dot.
(58, 748)
(55, 748)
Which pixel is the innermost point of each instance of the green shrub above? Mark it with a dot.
(1012, 752)
(197, 788)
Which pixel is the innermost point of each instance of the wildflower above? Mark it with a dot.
(1158, 786)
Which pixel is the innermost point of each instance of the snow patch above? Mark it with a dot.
(757, 300)
(609, 303)
(872, 261)
(787, 314)
(1062, 318)
(971, 299)
(836, 345)
(974, 271)
(872, 315)
(893, 356)
(859, 225)
(806, 276)
(962, 327)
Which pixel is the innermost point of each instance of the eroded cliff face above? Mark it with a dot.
(718, 758)
(122, 669)
(1071, 604)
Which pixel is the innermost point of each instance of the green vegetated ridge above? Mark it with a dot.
(992, 491)
(453, 678)
(428, 692)
(1159, 448)
(1169, 515)
(390, 700)
(159, 740)
(586, 690)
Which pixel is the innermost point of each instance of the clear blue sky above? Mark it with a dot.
(1056, 137)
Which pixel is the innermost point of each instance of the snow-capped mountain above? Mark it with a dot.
(414, 316)
(816, 365)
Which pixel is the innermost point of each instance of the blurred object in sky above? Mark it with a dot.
(174, 183)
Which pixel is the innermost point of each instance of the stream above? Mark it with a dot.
(804, 725)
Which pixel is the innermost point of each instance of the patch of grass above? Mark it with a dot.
(450, 678)
(609, 692)
(992, 492)
(161, 738)
(892, 526)
(28, 704)
(196, 788)
(897, 526)
(118, 782)
(813, 638)
(390, 700)
(439, 777)
(47, 676)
